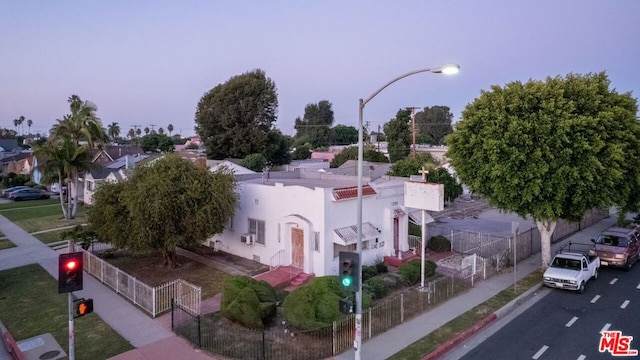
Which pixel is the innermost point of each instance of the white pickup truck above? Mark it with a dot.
(571, 270)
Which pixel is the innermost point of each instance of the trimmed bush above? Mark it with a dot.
(376, 287)
(368, 272)
(247, 301)
(439, 243)
(410, 271)
(382, 267)
(315, 304)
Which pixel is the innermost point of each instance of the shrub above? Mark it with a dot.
(376, 287)
(255, 162)
(247, 301)
(381, 267)
(439, 243)
(410, 272)
(369, 272)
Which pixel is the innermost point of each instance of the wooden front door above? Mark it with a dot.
(297, 248)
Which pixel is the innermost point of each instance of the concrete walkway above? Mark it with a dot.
(151, 339)
(400, 337)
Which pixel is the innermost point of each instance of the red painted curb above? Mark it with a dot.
(446, 347)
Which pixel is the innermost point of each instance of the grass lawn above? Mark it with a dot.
(454, 327)
(29, 203)
(36, 218)
(150, 270)
(50, 236)
(30, 305)
(5, 244)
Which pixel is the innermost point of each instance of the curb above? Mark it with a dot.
(466, 334)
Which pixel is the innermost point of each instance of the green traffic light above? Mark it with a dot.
(346, 281)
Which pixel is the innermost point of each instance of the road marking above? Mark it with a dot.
(638, 287)
(575, 318)
(605, 328)
(624, 304)
(613, 281)
(581, 357)
(540, 352)
(595, 298)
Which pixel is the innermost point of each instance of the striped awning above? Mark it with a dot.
(349, 235)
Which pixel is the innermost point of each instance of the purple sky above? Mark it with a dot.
(149, 62)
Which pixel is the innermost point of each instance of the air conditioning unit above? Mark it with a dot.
(247, 238)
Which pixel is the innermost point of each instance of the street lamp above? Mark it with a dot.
(448, 69)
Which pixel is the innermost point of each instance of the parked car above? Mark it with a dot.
(28, 194)
(618, 246)
(5, 192)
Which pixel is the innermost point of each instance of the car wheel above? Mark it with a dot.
(627, 265)
(581, 288)
(43, 197)
(595, 274)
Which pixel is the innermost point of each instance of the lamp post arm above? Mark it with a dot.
(365, 101)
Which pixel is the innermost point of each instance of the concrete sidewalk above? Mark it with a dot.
(151, 339)
(400, 337)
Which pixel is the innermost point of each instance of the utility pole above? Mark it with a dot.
(152, 127)
(378, 137)
(413, 128)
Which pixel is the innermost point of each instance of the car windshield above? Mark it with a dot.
(566, 264)
(612, 240)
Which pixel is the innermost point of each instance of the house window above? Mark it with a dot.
(257, 227)
(316, 241)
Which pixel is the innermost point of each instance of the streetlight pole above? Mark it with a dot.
(445, 69)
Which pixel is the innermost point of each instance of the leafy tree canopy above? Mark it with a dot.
(316, 123)
(551, 149)
(412, 166)
(156, 142)
(434, 123)
(343, 135)
(351, 153)
(255, 162)
(235, 119)
(398, 134)
(168, 203)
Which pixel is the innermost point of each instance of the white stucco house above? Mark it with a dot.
(303, 219)
(114, 171)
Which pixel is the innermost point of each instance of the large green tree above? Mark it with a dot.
(235, 119)
(398, 134)
(168, 203)
(315, 126)
(156, 143)
(351, 153)
(552, 149)
(434, 123)
(343, 135)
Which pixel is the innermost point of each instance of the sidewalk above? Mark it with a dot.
(151, 339)
(400, 337)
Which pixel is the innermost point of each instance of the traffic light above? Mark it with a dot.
(349, 270)
(69, 272)
(83, 307)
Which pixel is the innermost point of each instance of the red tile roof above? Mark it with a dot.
(352, 192)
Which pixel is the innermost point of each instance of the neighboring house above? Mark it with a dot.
(372, 170)
(18, 164)
(214, 165)
(114, 171)
(9, 147)
(304, 219)
(307, 164)
(109, 153)
(322, 155)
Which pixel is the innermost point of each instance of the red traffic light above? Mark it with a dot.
(69, 272)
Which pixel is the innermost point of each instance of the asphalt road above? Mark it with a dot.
(567, 325)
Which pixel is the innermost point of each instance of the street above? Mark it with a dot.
(567, 325)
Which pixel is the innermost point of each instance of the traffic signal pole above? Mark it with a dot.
(71, 330)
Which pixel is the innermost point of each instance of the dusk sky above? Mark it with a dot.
(150, 62)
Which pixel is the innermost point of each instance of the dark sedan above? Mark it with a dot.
(28, 194)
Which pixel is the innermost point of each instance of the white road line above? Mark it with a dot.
(613, 281)
(638, 287)
(575, 318)
(581, 357)
(624, 304)
(595, 298)
(605, 328)
(540, 352)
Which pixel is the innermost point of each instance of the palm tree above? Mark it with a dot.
(29, 123)
(131, 134)
(160, 131)
(20, 121)
(170, 129)
(146, 131)
(15, 124)
(138, 132)
(83, 128)
(114, 131)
